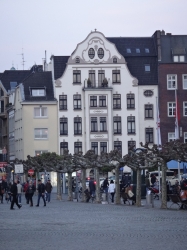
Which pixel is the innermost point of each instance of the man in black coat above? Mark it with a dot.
(41, 192)
(92, 187)
(14, 193)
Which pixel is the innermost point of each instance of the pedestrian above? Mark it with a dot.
(153, 179)
(92, 187)
(48, 188)
(14, 193)
(1, 191)
(30, 192)
(26, 194)
(105, 185)
(19, 187)
(41, 193)
(183, 193)
(111, 190)
(130, 194)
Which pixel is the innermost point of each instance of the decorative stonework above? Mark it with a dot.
(135, 82)
(99, 136)
(58, 83)
(98, 111)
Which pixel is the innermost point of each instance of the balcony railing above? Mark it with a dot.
(63, 132)
(97, 84)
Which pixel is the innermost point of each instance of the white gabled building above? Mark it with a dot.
(104, 103)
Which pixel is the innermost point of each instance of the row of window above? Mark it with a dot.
(94, 101)
(172, 82)
(172, 109)
(128, 50)
(148, 108)
(116, 76)
(117, 127)
(103, 145)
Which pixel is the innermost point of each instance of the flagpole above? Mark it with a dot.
(158, 141)
(177, 128)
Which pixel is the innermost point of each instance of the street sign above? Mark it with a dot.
(30, 171)
(18, 168)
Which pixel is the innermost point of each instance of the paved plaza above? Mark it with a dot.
(83, 226)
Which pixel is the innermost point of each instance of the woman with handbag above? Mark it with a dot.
(130, 194)
(111, 190)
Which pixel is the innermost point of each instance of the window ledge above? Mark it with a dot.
(63, 109)
(40, 117)
(77, 83)
(77, 135)
(64, 135)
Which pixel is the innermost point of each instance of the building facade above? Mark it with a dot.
(106, 94)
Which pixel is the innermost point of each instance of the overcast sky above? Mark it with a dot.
(58, 25)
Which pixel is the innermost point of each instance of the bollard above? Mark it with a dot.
(104, 198)
(148, 199)
(74, 197)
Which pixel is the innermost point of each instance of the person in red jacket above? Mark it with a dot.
(25, 190)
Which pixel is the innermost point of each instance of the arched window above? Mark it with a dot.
(100, 53)
(114, 60)
(91, 53)
(77, 60)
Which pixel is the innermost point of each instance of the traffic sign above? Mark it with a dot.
(30, 171)
(18, 168)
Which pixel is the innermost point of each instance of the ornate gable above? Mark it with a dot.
(96, 49)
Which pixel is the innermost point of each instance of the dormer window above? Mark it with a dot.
(147, 68)
(146, 50)
(77, 60)
(128, 50)
(13, 85)
(38, 92)
(178, 58)
(114, 60)
(137, 50)
(178, 54)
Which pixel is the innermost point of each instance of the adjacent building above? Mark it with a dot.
(172, 79)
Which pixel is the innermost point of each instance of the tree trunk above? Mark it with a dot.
(138, 188)
(59, 187)
(164, 187)
(83, 171)
(117, 187)
(97, 186)
(70, 194)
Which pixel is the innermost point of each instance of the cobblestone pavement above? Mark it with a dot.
(84, 226)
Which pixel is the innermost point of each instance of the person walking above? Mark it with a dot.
(111, 190)
(30, 192)
(48, 188)
(1, 191)
(14, 193)
(92, 187)
(24, 190)
(105, 187)
(41, 193)
(19, 187)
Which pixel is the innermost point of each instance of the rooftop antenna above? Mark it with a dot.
(23, 61)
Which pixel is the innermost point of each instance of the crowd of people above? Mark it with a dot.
(13, 192)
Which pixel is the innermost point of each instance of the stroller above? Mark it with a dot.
(155, 192)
